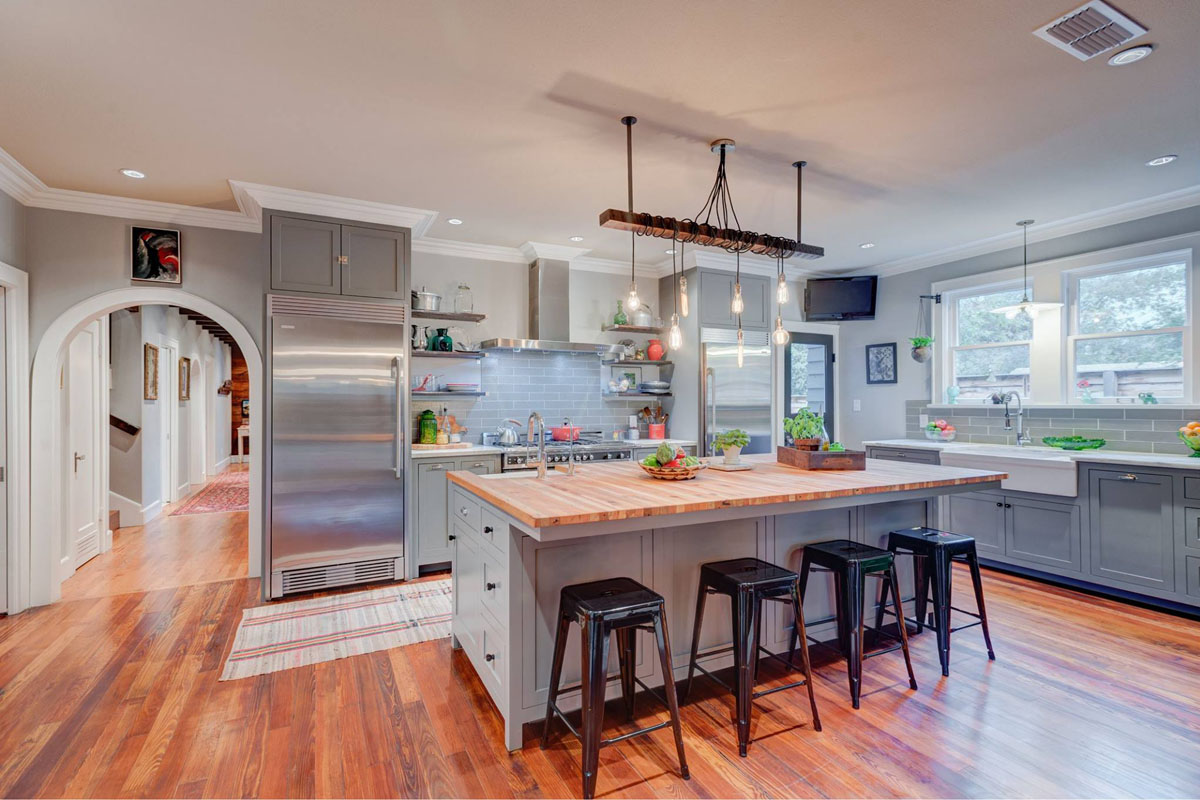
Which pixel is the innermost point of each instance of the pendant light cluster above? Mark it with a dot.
(716, 225)
(1026, 307)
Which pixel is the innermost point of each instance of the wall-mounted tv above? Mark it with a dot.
(839, 299)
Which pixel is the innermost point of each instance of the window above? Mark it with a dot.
(989, 351)
(1128, 331)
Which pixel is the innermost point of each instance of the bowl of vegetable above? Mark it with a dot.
(940, 431)
(670, 463)
(1074, 442)
(1190, 435)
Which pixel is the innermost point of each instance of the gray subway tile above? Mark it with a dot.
(1133, 447)
(1152, 436)
(1100, 413)
(1154, 413)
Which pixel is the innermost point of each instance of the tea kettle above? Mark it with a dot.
(507, 435)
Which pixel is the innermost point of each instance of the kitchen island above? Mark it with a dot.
(519, 539)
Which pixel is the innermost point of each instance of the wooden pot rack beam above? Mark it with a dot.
(708, 235)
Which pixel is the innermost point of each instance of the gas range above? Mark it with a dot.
(585, 450)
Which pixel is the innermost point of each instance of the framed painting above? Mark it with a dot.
(881, 363)
(185, 379)
(149, 372)
(155, 256)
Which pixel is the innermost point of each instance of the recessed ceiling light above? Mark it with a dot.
(867, 245)
(1131, 55)
(669, 252)
(576, 238)
(133, 173)
(1158, 162)
(454, 221)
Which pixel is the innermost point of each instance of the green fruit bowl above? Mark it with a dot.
(1073, 442)
(1192, 442)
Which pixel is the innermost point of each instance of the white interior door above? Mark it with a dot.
(83, 437)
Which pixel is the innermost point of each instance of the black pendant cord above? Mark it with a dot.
(799, 165)
(629, 122)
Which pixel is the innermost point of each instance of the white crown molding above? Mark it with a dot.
(1136, 209)
(16, 181)
(536, 250)
(482, 252)
(252, 198)
(149, 210)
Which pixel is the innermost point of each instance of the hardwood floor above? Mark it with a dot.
(115, 693)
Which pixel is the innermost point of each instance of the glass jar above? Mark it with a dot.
(464, 301)
(619, 318)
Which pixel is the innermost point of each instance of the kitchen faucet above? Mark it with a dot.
(1023, 437)
(540, 463)
(570, 445)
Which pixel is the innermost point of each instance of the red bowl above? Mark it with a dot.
(562, 433)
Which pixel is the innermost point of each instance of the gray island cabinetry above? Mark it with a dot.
(1132, 530)
(519, 539)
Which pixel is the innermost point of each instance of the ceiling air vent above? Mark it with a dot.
(1090, 30)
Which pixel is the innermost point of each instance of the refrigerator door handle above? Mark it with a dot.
(398, 448)
(710, 378)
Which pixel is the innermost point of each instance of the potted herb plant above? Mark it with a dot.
(922, 348)
(806, 429)
(731, 443)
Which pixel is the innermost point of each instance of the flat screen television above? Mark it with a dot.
(839, 299)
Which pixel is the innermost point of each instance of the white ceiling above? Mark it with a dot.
(926, 123)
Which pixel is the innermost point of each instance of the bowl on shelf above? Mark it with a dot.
(1192, 440)
(462, 387)
(1074, 442)
(673, 473)
(655, 387)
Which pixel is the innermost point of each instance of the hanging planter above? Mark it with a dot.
(922, 348)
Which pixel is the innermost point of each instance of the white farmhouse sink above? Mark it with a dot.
(1030, 469)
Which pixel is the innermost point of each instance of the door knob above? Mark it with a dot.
(79, 457)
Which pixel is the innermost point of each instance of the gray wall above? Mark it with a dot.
(12, 231)
(883, 406)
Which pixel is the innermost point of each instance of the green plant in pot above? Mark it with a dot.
(806, 429)
(731, 443)
(922, 348)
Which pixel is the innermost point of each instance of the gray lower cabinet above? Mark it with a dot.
(430, 501)
(914, 456)
(1132, 527)
(328, 257)
(1043, 533)
(716, 298)
(978, 514)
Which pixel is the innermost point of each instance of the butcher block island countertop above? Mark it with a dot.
(622, 491)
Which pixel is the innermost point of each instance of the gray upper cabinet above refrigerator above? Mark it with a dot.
(716, 297)
(330, 257)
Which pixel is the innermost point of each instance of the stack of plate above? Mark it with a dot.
(462, 387)
(655, 387)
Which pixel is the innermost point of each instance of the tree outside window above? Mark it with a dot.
(990, 351)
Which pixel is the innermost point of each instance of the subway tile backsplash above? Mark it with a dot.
(1139, 429)
(558, 385)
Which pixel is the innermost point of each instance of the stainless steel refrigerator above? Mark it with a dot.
(338, 432)
(733, 396)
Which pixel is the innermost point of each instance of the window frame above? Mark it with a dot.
(949, 323)
(1071, 335)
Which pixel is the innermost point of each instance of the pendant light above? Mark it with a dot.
(675, 335)
(738, 307)
(632, 301)
(780, 336)
(1026, 307)
(682, 293)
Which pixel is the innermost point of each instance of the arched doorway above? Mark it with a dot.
(41, 583)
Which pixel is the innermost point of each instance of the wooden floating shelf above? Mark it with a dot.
(448, 315)
(635, 363)
(415, 395)
(706, 235)
(609, 328)
(443, 354)
(639, 394)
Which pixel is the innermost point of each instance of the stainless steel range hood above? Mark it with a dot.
(549, 315)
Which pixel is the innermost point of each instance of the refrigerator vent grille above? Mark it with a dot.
(312, 579)
(336, 309)
(722, 336)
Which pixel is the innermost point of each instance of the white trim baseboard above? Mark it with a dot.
(151, 511)
(131, 511)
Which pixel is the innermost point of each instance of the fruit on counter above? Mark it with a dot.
(940, 425)
(1189, 434)
(837, 447)
(670, 457)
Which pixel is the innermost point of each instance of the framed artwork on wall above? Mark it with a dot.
(881, 363)
(155, 256)
(149, 372)
(185, 379)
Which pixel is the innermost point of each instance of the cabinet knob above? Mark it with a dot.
(463, 511)
(436, 466)
(451, 537)
(489, 586)
(1129, 476)
(487, 528)
(1008, 505)
(489, 657)
(480, 464)
(999, 505)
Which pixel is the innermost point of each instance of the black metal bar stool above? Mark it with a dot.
(851, 564)
(621, 606)
(933, 554)
(747, 582)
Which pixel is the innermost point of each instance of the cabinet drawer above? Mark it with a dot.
(493, 530)
(492, 663)
(465, 509)
(1191, 488)
(1193, 575)
(493, 586)
(911, 456)
(1191, 527)
(480, 465)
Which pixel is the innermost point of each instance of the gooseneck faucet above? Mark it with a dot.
(1023, 437)
(540, 463)
(570, 445)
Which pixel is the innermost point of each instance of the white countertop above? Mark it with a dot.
(451, 452)
(1160, 460)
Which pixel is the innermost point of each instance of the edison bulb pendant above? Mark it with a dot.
(633, 302)
(781, 290)
(741, 348)
(674, 336)
(737, 306)
(683, 301)
(780, 336)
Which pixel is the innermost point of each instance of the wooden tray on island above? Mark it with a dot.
(821, 459)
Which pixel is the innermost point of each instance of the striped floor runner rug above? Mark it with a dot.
(286, 635)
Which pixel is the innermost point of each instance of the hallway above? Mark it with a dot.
(170, 551)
